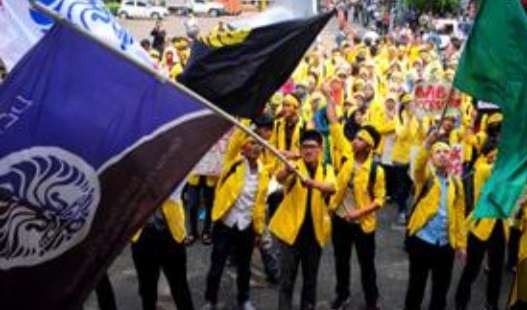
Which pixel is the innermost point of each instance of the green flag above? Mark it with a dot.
(493, 68)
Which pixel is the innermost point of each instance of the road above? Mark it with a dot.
(392, 273)
(391, 260)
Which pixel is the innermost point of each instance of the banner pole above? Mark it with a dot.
(166, 80)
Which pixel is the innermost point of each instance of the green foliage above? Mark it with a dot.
(113, 6)
(436, 6)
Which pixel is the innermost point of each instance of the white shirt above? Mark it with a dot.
(241, 214)
(349, 203)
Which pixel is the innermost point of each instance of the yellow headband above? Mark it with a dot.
(495, 118)
(440, 146)
(292, 100)
(365, 136)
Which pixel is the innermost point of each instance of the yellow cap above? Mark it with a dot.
(495, 118)
(440, 146)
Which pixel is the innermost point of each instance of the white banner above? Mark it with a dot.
(22, 27)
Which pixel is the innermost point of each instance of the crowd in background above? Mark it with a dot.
(350, 109)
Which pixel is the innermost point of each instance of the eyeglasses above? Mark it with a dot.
(310, 146)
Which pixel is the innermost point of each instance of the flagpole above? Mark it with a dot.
(165, 79)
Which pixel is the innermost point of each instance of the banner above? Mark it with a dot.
(91, 146)
(22, 26)
(212, 163)
(430, 99)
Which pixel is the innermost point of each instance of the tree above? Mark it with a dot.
(436, 6)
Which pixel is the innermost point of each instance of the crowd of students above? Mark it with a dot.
(357, 139)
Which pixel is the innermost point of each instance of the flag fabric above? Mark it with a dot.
(90, 146)
(22, 26)
(493, 69)
(240, 69)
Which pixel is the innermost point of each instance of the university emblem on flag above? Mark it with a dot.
(48, 198)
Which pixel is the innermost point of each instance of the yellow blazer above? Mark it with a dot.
(229, 189)
(175, 220)
(289, 216)
(360, 190)
(428, 206)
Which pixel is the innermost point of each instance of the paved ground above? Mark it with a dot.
(392, 264)
(174, 26)
(392, 269)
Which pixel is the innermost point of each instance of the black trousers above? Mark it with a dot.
(226, 242)
(157, 250)
(195, 194)
(426, 258)
(495, 249)
(390, 175)
(305, 252)
(105, 295)
(403, 186)
(344, 236)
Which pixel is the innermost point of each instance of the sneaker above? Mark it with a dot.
(491, 307)
(401, 220)
(206, 239)
(340, 303)
(209, 306)
(248, 305)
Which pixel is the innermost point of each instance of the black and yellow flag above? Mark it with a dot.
(239, 70)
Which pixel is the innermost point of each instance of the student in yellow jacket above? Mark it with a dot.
(286, 139)
(487, 236)
(239, 220)
(302, 222)
(518, 296)
(405, 127)
(263, 126)
(159, 245)
(435, 230)
(360, 193)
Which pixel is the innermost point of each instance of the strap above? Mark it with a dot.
(426, 188)
(372, 178)
(231, 171)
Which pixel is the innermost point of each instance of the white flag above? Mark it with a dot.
(22, 26)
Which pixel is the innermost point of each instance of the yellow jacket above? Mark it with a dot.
(341, 147)
(175, 220)
(404, 137)
(229, 189)
(211, 180)
(235, 145)
(360, 190)
(428, 206)
(523, 240)
(278, 137)
(483, 228)
(289, 216)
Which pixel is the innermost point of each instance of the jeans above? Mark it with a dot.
(195, 193)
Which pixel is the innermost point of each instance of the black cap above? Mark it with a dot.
(311, 134)
(264, 120)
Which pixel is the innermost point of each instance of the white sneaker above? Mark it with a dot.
(401, 220)
(247, 306)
